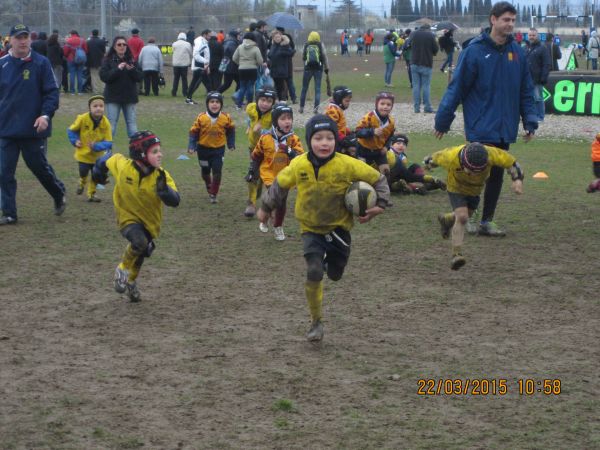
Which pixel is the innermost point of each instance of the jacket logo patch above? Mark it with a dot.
(26, 74)
(510, 56)
(303, 176)
(487, 56)
(128, 180)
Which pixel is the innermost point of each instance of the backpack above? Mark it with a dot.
(313, 56)
(80, 57)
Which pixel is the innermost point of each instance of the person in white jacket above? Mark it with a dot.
(182, 59)
(151, 63)
(593, 49)
(200, 65)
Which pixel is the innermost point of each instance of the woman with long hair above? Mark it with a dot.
(120, 75)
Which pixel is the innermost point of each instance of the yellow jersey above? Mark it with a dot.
(135, 197)
(211, 132)
(254, 118)
(99, 137)
(375, 143)
(320, 201)
(273, 158)
(337, 115)
(472, 183)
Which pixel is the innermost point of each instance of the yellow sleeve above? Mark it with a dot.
(297, 145)
(363, 172)
(196, 125)
(114, 163)
(76, 126)
(170, 181)
(230, 123)
(499, 157)
(364, 122)
(287, 177)
(444, 157)
(258, 151)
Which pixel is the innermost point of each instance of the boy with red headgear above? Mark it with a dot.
(373, 132)
(595, 185)
(468, 169)
(141, 186)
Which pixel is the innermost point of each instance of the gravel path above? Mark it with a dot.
(553, 127)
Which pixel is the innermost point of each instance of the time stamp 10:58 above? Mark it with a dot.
(488, 386)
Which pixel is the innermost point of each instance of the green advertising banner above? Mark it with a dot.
(574, 94)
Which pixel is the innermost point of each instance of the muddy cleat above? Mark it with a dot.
(60, 206)
(121, 276)
(400, 186)
(8, 220)
(438, 184)
(79, 190)
(446, 225)
(263, 227)
(301, 110)
(472, 226)
(250, 210)
(133, 292)
(279, 233)
(491, 229)
(457, 262)
(594, 186)
(94, 199)
(316, 331)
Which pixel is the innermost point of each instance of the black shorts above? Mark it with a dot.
(597, 169)
(371, 156)
(461, 200)
(333, 246)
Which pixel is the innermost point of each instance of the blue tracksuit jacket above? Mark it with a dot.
(27, 91)
(494, 85)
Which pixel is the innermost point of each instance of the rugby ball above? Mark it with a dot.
(359, 197)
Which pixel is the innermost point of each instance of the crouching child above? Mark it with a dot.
(141, 187)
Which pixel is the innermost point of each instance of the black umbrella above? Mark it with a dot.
(445, 26)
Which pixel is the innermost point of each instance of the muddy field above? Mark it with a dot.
(214, 357)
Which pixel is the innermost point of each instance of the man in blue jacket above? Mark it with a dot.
(28, 100)
(540, 63)
(493, 83)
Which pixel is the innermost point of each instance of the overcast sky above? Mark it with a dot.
(378, 6)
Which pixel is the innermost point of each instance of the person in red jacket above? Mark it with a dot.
(75, 51)
(135, 44)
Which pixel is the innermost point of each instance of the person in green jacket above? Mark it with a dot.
(390, 52)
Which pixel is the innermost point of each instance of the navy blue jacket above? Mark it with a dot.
(279, 57)
(540, 63)
(27, 91)
(494, 85)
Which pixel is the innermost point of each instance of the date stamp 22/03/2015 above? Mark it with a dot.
(488, 386)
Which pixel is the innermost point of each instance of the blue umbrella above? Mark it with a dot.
(284, 20)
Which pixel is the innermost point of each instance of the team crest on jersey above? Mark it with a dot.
(26, 74)
(303, 176)
(128, 180)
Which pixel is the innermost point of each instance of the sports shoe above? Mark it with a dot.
(316, 331)
(213, 198)
(263, 227)
(438, 184)
(189, 101)
(250, 210)
(472, 226)
(445, 226)
(121, 276)
(279, 233)
(94, 199)
(316, 110)
(420, 190)
(301, 110)
(400, 186)
(8, 220)
(457, 262)
(593, 186)
(60, 206)
(79, 190)
(133, 292)
(491, 229)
